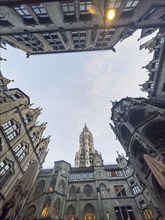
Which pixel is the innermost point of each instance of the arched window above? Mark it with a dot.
(148, 214)
(72, 192)
(30, 214)
(56, 209)
(39, 188)
(6, 170)
(70, 213)
(62, 187)
(88, 191)
(46, 207)
(89, 213)
(52, 185)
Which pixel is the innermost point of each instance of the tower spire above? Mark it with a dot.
(87, 155)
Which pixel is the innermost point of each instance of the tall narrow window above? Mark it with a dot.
(39, 188)
(120, 190)
(46, 208)
(21, 150)
(11, 129)
(70, 213)
(6, 170)
(52, 185)
(27, 118)
(30, 214)
(72, 192)
(124, 212)
(88, 191)
(89, 213)
(56, 209)
(62, 187)
(34, 136)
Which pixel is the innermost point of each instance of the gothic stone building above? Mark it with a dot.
(139, 125)
(61, 26)
(90, 190)
(155, 85)
(21, 141)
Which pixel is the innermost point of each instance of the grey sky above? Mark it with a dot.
(74, 89)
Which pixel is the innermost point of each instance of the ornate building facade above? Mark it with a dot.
(90, 190)
(61, 26)
(21, 141)
(139, 125)
(155, 85)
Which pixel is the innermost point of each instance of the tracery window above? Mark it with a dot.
(39, 188)
(11, 129)
(148, 214)
(70, 213)
(56, 209)
(21, 150)
(89, 213)
(30, 214)
(6, 170)
(120, 190)
(88, 191)
(46, 208)
(72, 192)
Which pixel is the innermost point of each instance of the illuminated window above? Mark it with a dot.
(11, 129)
(39, 10)
(39, 188)
(52, 185)
(21, 150)
(45, 211)
(89, 213)
(120, 190)
(70, 213)
(148, 214)
(6, 170)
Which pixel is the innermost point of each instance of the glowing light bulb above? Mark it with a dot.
(111, 14)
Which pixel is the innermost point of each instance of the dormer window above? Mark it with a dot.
(11, 129)
(69, 11)
(41, 13)
(27, 118)
(34, 136)
(15, 96)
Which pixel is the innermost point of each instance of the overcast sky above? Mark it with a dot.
(76, 88)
